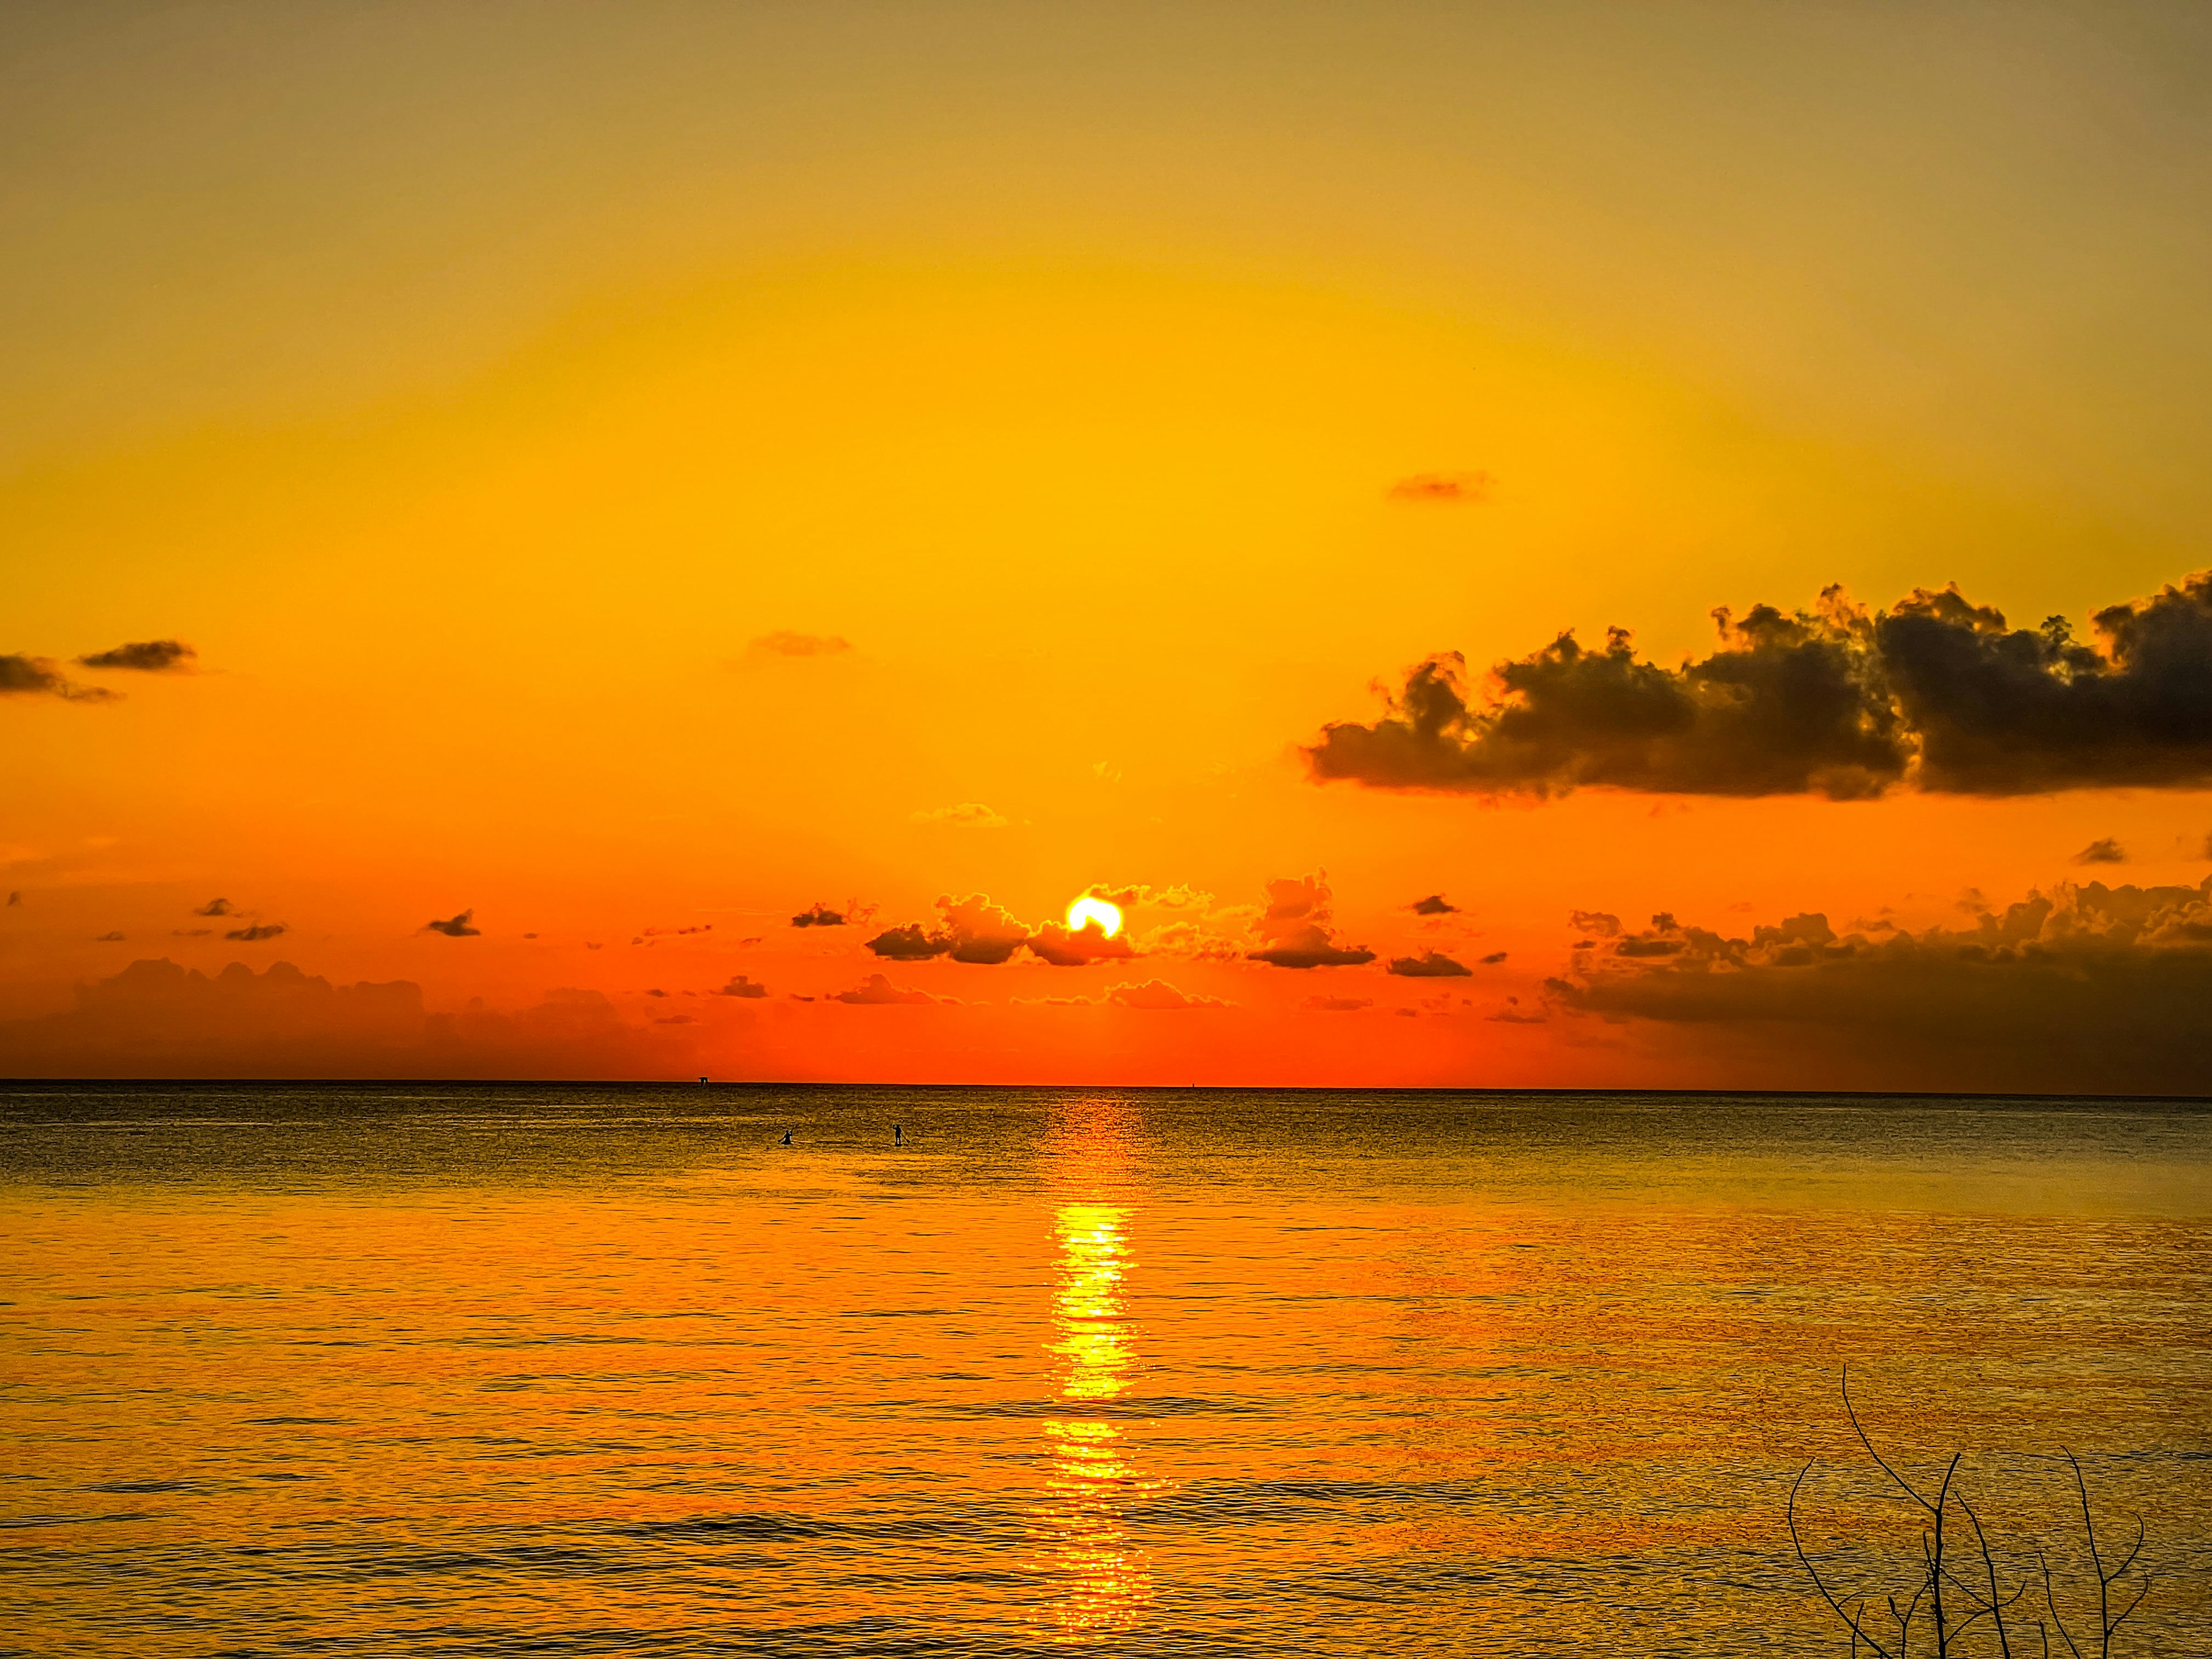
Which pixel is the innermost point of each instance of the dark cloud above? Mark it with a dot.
(146, 656)
(911, 943)
(1294, 927)
(978, 931)
(669, 933)
(819, 915)
(1493, 959)
(876, 991)
(38, 676)
(1435, 905)
(656, 991)
(1429, 965)
(454, 926)
(1937, 694)
(190, 932)
(1079, 947)
(1443, 487)
(2086, 988)
(674, 1019)
(785, 643)
(220, 906)
(2106, 851)
(254, 932)
(1321, 1004)
(975, 930)
(739, 986)
(15, 898)
(108, 938)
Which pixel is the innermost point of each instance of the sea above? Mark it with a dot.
(417, 1370)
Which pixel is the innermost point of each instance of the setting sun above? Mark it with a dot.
(1086, 910)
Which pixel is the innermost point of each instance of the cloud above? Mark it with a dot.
(968, 815)
(1321, 1004)
(452, 927)
(1937, 694)
(1156, 995)
(876, 992)
(15, 898)
(1429, 965)
(254, 932)
(674, 1019)
(785, 643)
(656, 991)
(911, 943)
(2106, 851)
(1294, 927)
(1512, 1013)
(1493, 959)
(668, 932)
(108, 938)
(819, 915)
(975, 930)
(190, 932)
(146, 656)
(38, 676)
(740, 986)
(1079, 947)
(2087, 987)
(1443, 487)
(1435, 905)
(220, 907)
(155, 1018)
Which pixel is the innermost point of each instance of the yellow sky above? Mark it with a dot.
(472, 385)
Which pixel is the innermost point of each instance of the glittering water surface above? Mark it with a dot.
(423, 1370)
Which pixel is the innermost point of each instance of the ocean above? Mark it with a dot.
(409, 1370)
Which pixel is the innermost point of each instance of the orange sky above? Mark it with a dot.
(484, 394)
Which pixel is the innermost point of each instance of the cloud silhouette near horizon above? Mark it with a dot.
(878, 991)
(1936, 695)
(1429, 965)
(254, 932)
(2086, 988)
(458, 926)
(155, 1018)
(144, 657)
(21, 675)
(975, 930)
(1296, 927)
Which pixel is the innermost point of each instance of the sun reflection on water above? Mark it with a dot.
(1100, 1581)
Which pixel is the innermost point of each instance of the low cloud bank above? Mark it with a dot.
(157, 1019)
(1937, 694)
(2085, 989)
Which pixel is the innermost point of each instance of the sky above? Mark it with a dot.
(613, 481)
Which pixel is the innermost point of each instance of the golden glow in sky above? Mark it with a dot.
(719, 508)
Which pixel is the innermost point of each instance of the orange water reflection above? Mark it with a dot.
(1099, 1582)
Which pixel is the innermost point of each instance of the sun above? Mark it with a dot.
(1086, 910)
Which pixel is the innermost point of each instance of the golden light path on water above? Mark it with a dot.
(1099, 1583)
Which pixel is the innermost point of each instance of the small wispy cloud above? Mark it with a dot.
(967, 815)
(1444, 489)
(784, 642)
(460, 927)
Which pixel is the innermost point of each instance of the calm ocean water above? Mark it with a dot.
(405, 1371)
